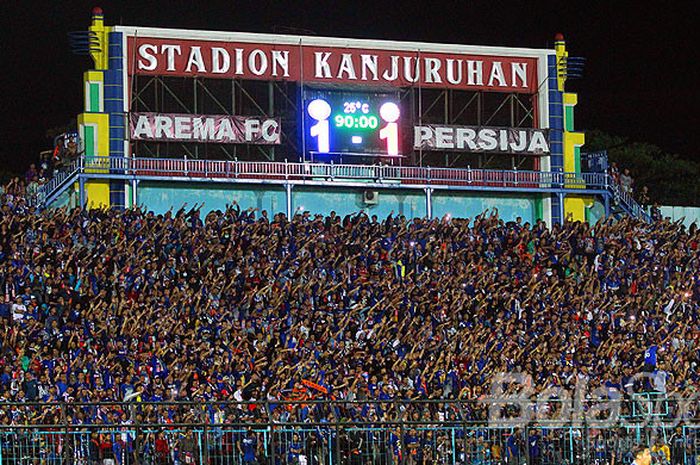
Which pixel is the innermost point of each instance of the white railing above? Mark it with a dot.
(59, 177)
(625, 200)
(330, 171)
(183, 167)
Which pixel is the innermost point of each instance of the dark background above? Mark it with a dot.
(639, 80)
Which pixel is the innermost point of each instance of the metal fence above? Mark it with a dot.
(328, 433)
(343, 444)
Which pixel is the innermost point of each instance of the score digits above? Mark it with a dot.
(320, 110)
(390, 113)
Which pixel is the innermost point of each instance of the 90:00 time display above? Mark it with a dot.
(363, 122)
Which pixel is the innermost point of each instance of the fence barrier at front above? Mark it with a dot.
(342, 432)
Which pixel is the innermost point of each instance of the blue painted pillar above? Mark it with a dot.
(81, 191)
(115, 107)
(556, 135)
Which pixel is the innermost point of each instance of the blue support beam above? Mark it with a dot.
(114, 106)
(556, 135)
(81, 191)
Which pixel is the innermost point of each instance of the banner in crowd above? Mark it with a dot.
(218, 129)
(524, 141)
(595, 162)
(315, 386)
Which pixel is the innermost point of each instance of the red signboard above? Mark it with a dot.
(317, 64)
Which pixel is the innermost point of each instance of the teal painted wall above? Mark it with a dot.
(463, 205)
(68, 199)
(689, 215)
(596, 212)
(344, 201)
(159, 197)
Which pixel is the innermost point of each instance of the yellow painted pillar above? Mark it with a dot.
(574, 205)
(93, 123)
(562, 56)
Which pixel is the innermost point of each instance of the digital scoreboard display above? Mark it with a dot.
(352, 123)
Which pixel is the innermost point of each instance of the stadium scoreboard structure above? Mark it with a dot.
(169, 94)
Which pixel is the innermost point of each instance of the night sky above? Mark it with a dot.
(640, 78)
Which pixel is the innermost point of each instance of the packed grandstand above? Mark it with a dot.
(242, 310)
(557, 326)
(106, 304)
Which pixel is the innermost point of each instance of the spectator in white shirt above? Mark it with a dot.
(626, 181)
(19, 310)
(660, 377)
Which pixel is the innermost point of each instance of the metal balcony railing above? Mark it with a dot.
(329, 172)
(309, 171)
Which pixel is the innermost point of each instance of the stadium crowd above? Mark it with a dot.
(237, 306)
(104, 305)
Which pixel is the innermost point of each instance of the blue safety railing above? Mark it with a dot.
(346, 444)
